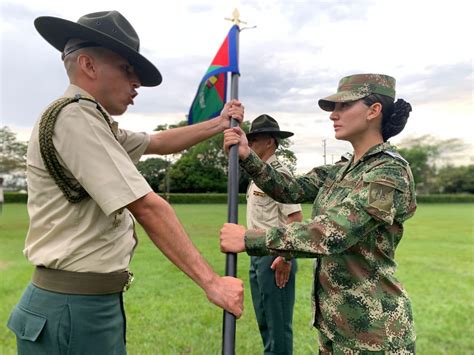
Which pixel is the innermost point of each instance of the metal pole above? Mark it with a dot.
(228, 330)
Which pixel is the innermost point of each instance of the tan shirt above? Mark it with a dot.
(262, 211)
(96, 234)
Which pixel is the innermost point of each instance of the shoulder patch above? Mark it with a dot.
(381, 196)
(396, 156)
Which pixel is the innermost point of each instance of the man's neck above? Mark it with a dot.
(266, 155)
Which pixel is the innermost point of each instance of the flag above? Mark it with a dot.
(211, 94)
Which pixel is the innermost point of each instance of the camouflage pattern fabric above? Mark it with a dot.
(356, 87)
(357, 222)
(328, 347)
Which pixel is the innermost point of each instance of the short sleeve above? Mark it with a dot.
(134, 143)
(89, 150)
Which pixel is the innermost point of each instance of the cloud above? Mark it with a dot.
(296, 55)
(440, 83)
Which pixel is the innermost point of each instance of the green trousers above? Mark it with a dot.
(273, 306)
(47, 322)
(328, 347)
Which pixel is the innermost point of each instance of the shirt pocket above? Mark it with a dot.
(26, 325)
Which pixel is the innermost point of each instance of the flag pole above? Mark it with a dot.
(228, 329)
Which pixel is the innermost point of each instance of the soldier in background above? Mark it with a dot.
(360, 206)
(272, 278)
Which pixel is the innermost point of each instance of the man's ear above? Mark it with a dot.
(87, 65)
(374, 111)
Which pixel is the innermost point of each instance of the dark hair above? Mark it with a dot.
(394, 115)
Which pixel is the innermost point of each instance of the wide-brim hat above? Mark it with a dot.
(265, 124)
(358, 86)
(108, 29)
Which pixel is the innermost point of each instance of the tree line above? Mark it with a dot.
(203, 167)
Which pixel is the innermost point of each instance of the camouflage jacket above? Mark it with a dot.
(357, 222)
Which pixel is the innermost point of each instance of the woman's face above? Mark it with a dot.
(350, 120)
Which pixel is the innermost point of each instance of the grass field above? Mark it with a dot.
(169, 314)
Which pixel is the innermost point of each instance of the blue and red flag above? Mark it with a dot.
(212, 92)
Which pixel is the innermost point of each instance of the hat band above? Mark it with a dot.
(78, 46)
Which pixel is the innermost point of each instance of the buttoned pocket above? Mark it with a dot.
(26, 325)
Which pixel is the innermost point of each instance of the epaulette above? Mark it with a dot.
(344, 158)
(396, 156)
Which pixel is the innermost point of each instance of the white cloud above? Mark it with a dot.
(297, 54)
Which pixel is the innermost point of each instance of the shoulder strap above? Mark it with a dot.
(72, 191)
(396, 155)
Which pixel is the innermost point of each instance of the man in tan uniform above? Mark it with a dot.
(85, 192)
(272, 278)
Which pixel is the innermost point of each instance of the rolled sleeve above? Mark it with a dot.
(255, 242)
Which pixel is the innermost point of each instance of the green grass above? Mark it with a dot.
(168, 314)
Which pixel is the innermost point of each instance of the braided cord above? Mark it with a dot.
(71, 190)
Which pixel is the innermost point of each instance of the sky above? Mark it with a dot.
(294, 56)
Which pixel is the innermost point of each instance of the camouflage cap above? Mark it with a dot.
(356, 87)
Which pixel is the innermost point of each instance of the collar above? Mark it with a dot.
(377, 149)
(73, 90)
(349, 165)
(271, 159)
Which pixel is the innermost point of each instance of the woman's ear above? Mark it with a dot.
(374, 111)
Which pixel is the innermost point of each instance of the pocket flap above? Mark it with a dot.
(26, 324)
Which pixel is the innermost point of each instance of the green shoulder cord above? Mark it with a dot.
(72, 191)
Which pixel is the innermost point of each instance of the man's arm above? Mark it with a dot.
(177, 139)
(165, 230)
(280, 265)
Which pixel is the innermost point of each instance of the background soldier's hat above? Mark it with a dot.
(108, 29)
(268, 125)
(356, 87)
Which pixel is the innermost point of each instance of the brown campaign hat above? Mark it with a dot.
(268, 125)
(108, 29)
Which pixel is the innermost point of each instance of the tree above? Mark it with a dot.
(12, 152)
(425, 154)
(204, 167)
(201, 168)
(154, 171)
(419, 156)
(452, 179)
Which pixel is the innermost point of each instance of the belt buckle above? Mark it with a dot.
(130, 279)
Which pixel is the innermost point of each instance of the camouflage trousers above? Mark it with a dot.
(328, 347)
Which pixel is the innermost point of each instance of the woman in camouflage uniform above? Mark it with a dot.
(359, 207)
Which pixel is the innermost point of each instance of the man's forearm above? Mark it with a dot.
(160, 222)
(175, 140)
